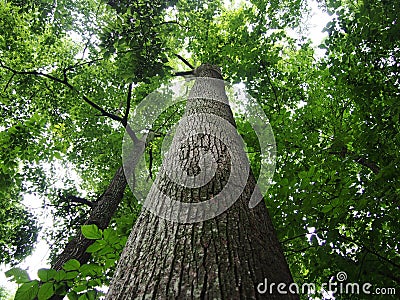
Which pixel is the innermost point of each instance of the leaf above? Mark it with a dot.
(46, 274)
(27, 291)
(94, 247)
(18, 275)
(60, 275)
(46, 291)
(80, 287)
(73, 295)
(90, 269)
(83, 297)
(91, 232)
(71, 265)
(327, 208)
(91, 294)
(303, 174)
(71, 275)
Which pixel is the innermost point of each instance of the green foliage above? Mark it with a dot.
(27, 291)
(18, 275)
(91, 232)
(336, 123)
(4, 294)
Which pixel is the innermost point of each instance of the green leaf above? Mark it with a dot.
(60, 275)
(71, 265)
(46, 291)
(91, 232)
(327, 208)
(83, 297)
(94, 247)
(27, 291)
(46, 274)
(91, 294)
(73, 295)
(18, 275)
(71, 275)
(80, 287)
(303, 174)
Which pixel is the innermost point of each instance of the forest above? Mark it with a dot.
(72, 73)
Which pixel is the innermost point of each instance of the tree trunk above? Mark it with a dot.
(223, 257)
(100, 215)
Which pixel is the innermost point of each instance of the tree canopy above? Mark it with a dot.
(71, 70)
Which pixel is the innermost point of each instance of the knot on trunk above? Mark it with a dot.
(208, 70)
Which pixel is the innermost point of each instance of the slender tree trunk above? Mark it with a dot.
(100, 215)
(225, 257)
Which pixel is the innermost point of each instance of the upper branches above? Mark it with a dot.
(123, 120)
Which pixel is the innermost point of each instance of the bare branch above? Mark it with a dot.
(150, 161)
(184, 61)
(128, 105)
(80, 200)
(8, 82)
(65, 82)
(184, 73)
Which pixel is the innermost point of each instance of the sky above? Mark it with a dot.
(38, 259)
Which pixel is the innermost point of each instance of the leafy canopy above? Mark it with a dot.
(335, 201)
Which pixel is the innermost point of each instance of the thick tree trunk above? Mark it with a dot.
(100, 215)
(225, 257)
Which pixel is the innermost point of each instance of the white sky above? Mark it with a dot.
(38, 259)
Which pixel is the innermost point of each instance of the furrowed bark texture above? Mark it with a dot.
(225, 257)
(100, 215)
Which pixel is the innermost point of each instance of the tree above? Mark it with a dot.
(225, 257)
(335, 200)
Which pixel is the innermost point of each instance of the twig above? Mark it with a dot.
(71, 67)
(171, 22)
(8, 82)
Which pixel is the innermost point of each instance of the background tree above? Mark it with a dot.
(335, 203)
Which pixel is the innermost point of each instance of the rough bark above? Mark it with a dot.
(225, 257)
(100, 215)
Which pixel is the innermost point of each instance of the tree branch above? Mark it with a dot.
(77, 65)
(80, 200)
(100, 214)
(369, 251)
(8, 82)
(150, 161)
(128, 106)
(171, 22)
(65, 82)
(184, 73)
(184, 61)
(358, 159)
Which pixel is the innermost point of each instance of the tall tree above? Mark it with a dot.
(225, 257)
(335, 200)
